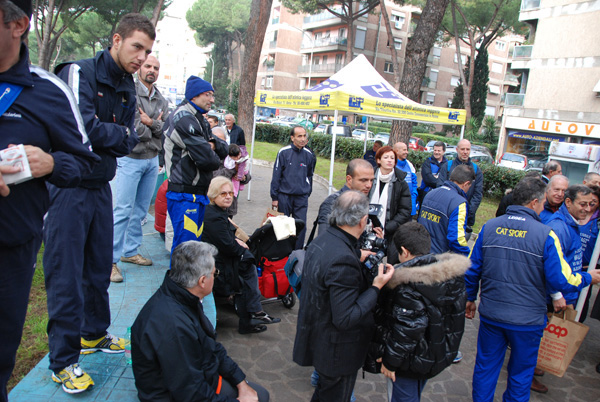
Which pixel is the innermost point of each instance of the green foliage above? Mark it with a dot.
(232, 107)
(479, 90)
(497, 179)
(214, 20)
(220, 80)
(417, 158)
(423, 128)
(489, 130)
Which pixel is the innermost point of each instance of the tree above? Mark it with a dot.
(259, 20)
(347, 10)
(481, 76)
(415, 62)
(391, 44)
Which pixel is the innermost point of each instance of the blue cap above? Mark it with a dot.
(196, 86)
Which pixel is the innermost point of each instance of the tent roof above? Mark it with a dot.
(359, 88)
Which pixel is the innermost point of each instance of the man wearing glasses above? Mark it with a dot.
(192, 153)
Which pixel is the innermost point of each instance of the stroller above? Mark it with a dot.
(271, 256)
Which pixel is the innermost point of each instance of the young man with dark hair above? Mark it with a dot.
(420, 320)
(430, 170)
(39, 111)
(213, 121)
(369, 156)
(79, 225)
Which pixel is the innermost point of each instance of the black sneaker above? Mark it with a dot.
(252, 329)
(263, 318)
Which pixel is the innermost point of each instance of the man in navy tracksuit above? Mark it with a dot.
(475, 193)
(430, 170)
(515, 258)
(42, 115)
(78, 232)
(444, 213)
(291, 184)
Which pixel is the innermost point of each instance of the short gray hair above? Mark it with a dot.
(349, 208)
(12, 13)
(551, 166)
(219, 129)
(190, 261)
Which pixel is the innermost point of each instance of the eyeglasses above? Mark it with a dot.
(216, 273)
(226, 193)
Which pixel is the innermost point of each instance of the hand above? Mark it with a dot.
(382, 278)
(212, 145)
(4, 189)
(145, 119)
(246, 393)
(559, 305)
(470, 310)
(364, 254)
(241, 243)
(595, 273)
(378, 232)
(389, 374)
(40, 162)
(160, 116)
(274, 204)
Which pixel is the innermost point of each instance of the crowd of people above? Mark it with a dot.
(387, 284)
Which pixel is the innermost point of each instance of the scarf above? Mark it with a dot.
(381, 196)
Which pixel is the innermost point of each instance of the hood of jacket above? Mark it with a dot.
(430, 269)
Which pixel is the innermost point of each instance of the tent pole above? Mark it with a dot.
(334, 135)
(252, 149)
(462, 132)
(366, 136)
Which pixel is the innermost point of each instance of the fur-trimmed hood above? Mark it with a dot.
(430, 269)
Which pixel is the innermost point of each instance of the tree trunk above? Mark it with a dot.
(351, 35)
(260, 13)
(390, 35)
(415, 62)
(156, 12)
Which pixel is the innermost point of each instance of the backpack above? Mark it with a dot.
(295, 264)
(450, 166)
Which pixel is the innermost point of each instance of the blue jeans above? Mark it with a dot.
(133, 188)
(406, 389)
(491, 349)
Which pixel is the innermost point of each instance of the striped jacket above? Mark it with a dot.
(444, 215)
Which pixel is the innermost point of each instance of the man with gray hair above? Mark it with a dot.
(173, 347)
(552, 168)
(235, 134)
(335, 320)
(591, 179)
(555, 196)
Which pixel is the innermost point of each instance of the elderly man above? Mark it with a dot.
(359, 177)
(335, 320)
(475, 193)
(235, 133)
(291, 183)
(550, 169)
(77, 230)
(136, 173)
(401, 150)
(555, 196)
(42, 115)
(591, 179)
(175, 354)
(514, 272)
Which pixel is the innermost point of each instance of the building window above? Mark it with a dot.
(262, 82)
(339, 58)
(269, 83)
(490, 110)
(494, 89)
(455, 81)
(342, 33)
(437, 53)
(433, 77)
(325, 59)
(388, 67)
(497, 68)
(430, 98)
(359, 40)
(500, 45)
(316, 60)
(397, 19)
(463, 58)
(398, 43)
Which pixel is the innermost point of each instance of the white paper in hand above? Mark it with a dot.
(15, 156)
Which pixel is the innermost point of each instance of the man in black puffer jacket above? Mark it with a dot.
(421, 314)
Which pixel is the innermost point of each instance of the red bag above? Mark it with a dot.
(274, 281)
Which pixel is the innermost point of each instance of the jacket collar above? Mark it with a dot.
(430, 269)
(345, 236)
(468, 162)
(551, 208)
(521, 210)
(19, 73)
(178, 293)
(454, 186)
(433, 160)
(110, 73)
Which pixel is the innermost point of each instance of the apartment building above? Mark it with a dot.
(559, 71)
(301, 51)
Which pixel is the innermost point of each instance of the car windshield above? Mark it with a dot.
(413, 140)
(513, 158)
(337, 130)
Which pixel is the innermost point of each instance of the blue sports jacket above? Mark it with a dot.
(411, 180)
(475, 193)
(293, 172)
(430, 173)
(517, 258)
(44, 115)
(589, 235)
(567, 231)
(444, 215)
(547, 213)
(106, 98)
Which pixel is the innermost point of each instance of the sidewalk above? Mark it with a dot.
(266, 358)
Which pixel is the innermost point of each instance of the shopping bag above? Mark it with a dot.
(560, 342)
(270, 212)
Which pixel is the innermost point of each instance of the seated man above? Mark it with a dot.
(175, 354)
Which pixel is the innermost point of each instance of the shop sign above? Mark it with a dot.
(555, 126)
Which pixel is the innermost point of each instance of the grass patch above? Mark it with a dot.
(34, 343)
(485, 212)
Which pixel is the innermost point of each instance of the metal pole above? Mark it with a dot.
(366, 136)
(252, 149)
(584, 292)
(212, 69)
(335, 118)
(462, 132)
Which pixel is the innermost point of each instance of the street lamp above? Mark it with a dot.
(212, 69)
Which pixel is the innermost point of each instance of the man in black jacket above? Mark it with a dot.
(173, 347)
(235, 132)
(430, 170)
(335, 320)
(79, 225)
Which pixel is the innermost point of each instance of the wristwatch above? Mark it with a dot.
(127, 131)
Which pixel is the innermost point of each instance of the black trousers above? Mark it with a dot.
(334, 389)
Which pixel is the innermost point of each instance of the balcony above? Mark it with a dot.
(522, 52)
(319, 70)
(511, 80)
(320, 20)
(275, 21)
(324, 44)
(527, 5)
(273, 44)
(513, 100)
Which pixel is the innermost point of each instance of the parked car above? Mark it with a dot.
(283, 123)
(359, 134)
(476, 156)
(482, 149)
(307, 124)
(383, 137)
(513, 161)
(429, 145)
(536, 164)
(416, 144)
(320, 128)
(341, 130)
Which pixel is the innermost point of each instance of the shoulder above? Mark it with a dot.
(305, 149)
(284, 150)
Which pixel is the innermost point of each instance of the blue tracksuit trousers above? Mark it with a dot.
(295, 206)
(492, 342)
(78, 238)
